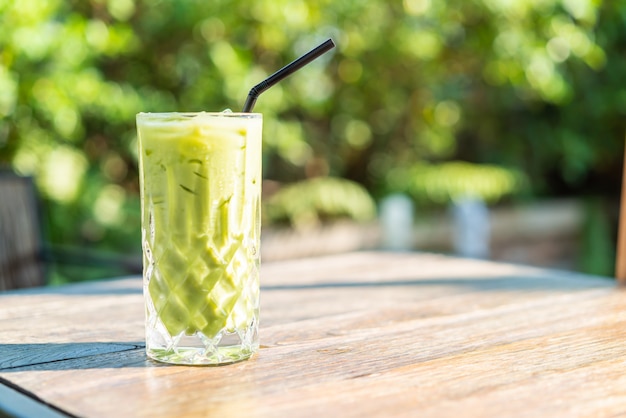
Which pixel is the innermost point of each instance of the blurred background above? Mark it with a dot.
(486, 128)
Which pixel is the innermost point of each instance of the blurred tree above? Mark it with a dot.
(532, 86)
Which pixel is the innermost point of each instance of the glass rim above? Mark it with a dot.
(183, 115)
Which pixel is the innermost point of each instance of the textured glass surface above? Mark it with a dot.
(200, 181)
(188, 322)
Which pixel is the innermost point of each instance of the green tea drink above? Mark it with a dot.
(200, 178)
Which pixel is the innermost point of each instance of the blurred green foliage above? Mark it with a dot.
(530, 86)
(598, 248)
(445, 182)
(309, 203)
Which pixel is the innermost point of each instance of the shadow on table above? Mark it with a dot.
(497, 283)
(72, 356)
(131, 285)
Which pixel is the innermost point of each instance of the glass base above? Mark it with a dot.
(193, 356)
(199, 350)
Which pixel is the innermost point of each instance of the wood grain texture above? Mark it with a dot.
(354, 335)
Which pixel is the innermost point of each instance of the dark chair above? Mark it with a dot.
(21, 260)
(25, 256)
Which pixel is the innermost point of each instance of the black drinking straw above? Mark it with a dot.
(284, 72)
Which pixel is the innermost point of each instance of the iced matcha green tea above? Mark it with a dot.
(200, 178)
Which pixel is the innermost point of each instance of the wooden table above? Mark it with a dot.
(353, 335)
